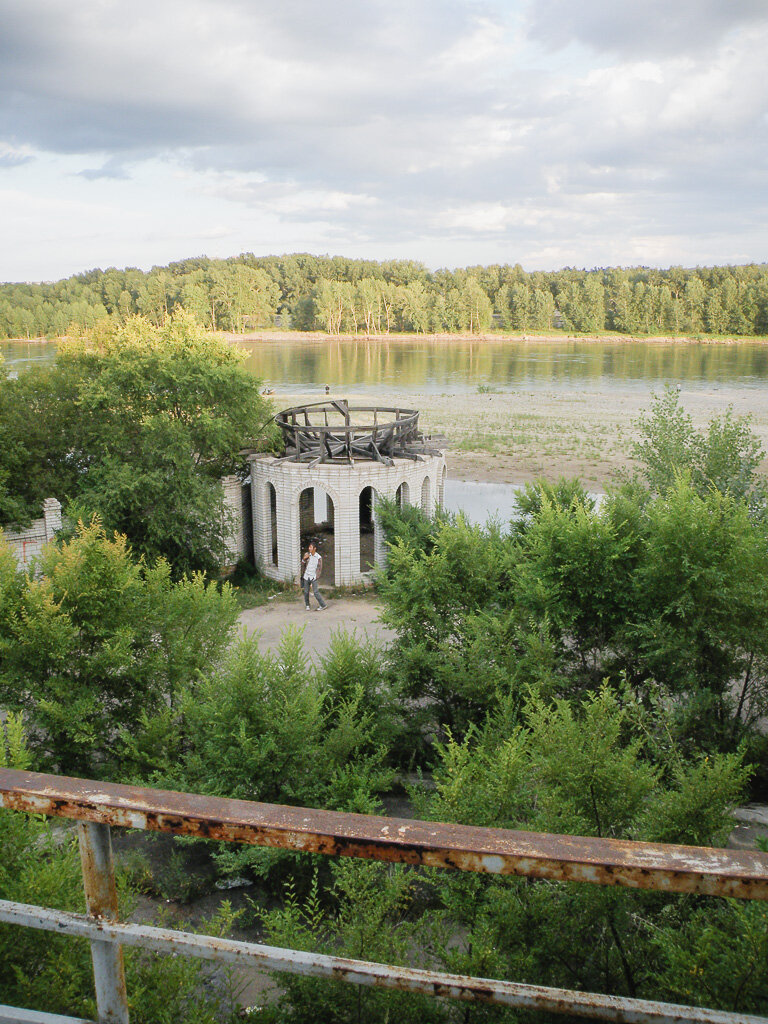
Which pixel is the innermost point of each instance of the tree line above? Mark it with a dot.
(339, 295)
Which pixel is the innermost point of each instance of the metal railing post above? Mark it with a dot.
(101, 901)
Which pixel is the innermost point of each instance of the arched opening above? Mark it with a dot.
(441, 489)
(426, 496)
(367, 530)
(272, 545)
(402, 496)
(316, 522)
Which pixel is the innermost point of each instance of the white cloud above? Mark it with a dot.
(455, 132)
(13, 156)
(286, 197)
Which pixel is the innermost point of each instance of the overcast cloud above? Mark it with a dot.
(451, 131)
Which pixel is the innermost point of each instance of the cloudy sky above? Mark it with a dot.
(544, 132)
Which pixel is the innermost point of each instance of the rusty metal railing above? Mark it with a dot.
(97, 806)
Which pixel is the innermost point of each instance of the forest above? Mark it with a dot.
(337, 295)
(586, 670)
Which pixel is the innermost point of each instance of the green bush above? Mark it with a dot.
(99, 646)
(577, 771)
(268, 727)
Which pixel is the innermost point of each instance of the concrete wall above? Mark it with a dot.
(28, 544)
(343, 485)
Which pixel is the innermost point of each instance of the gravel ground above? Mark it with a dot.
(353, 614)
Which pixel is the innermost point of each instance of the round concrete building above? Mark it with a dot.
(339, 460)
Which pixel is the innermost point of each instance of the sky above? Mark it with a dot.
(548, 133)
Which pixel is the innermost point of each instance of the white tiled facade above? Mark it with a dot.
(28, 544)
(343, 484)
(235, 540)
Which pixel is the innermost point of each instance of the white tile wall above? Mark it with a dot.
(343, 485)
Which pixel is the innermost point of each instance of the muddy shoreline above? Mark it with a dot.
(518, 436)
(495, 336)
(322, 336)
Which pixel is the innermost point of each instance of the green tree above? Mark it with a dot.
(37, 419)
(459, 646)
(478, 310)
(269, 727)
(413, 302)
(162, 414)
(138, 424)
(253, 298)
(694, 304)
(697, 627)
(543, 310)
(726, 457)
(371, 918)
(578, 770)
(573, 573)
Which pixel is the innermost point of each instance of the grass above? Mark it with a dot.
(252, 590)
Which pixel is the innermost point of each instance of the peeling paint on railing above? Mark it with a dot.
(363, 972)
(680, 869)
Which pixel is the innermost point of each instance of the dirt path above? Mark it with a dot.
(353, 614)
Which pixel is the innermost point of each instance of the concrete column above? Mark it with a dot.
(379, 548)
(321, 505)
(288, 554)
(427, 504)
(351, 535)
(233, 513)
(261, 521)
(51, 517)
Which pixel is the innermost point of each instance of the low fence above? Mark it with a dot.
(97, 806)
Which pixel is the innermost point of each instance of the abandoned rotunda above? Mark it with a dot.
(339, 460)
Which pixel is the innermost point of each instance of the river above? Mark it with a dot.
(709, 373)
(436, 366)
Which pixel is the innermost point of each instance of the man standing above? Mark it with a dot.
(311, 570)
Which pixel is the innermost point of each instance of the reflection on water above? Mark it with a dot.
(464, 366)
(18, 355)
(429, 366)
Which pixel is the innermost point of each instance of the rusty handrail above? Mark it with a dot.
(98, 805)
(637, 865)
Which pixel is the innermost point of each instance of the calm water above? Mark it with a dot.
(361, 367)
(483, 501)
(404, 367)
(17, 355)
(462, 367)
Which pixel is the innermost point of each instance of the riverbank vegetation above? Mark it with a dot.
(598, 670)
(364, 297)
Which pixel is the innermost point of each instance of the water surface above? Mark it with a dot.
(461, 367)
(483, 501)
(376, 366)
